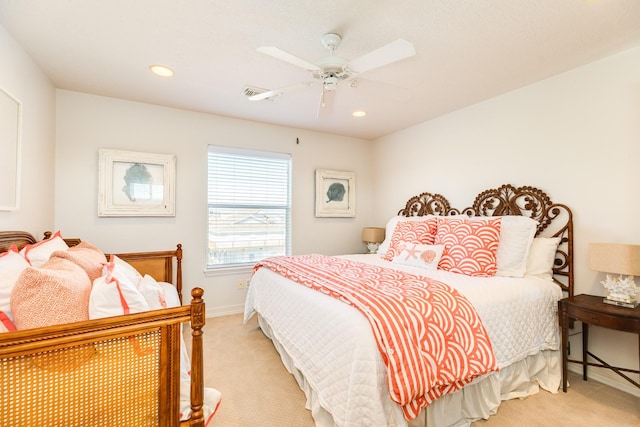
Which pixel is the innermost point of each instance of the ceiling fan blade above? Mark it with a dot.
(326, 103)
(392, 52)
(277, 92)
(287, 57)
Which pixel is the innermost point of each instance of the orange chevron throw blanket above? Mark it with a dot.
(430, 337)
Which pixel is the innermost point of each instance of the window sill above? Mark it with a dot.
(227, 271)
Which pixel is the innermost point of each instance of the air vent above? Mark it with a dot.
(249, 91)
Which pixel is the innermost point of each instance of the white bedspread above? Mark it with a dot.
(331, 343)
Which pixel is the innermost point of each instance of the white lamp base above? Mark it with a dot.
(373, 247)
(622, 291)
(632, 304)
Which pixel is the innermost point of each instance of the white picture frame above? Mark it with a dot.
(335, 193)
(10, 151)
(135, 184)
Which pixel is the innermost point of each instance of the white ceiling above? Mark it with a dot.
(466, 51)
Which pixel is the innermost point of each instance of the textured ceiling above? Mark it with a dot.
(466, 51)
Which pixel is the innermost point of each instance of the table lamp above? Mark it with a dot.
(620, 259)
(373, 236)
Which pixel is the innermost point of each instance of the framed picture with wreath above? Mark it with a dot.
(135, 184)
(335, 193)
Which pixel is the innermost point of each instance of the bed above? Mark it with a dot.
(335, 352)
(120, 370)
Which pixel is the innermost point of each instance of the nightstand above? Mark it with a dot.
(591, 310)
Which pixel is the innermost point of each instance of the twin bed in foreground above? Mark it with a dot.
(360, 347)
(119, 370)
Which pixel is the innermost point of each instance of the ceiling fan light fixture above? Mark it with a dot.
(161, 70)
(331, 83)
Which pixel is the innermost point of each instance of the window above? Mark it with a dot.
(249, 206)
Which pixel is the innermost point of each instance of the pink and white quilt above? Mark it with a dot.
(430, 337)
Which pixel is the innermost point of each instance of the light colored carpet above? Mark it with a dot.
(258, 391)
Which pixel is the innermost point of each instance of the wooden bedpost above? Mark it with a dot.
(197, 367)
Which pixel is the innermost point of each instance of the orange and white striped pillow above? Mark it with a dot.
(470, 246)
(422, 232)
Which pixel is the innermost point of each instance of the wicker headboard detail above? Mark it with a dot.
(554, 219)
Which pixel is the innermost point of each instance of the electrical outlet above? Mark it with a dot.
(240, 284)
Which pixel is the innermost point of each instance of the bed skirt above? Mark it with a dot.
(478, 400)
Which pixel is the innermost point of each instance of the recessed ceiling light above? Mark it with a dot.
(161, 70)
(359, 113)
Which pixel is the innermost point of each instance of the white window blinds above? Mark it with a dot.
(249, 206)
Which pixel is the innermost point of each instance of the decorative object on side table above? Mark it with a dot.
(373, 236)
(619, 259)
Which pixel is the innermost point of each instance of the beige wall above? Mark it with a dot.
(23, 80)
(88, 122)
(576, 136)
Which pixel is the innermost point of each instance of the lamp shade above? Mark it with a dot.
(373, 235)
(615, 258)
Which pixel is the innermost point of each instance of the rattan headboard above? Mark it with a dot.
(554, 219)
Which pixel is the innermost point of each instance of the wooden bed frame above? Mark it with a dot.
(52, 395)
(554, 219)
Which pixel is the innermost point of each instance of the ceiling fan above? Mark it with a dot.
(333, 70)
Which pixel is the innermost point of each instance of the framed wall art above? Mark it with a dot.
(10, 145)
(335, 193)
(135, 184)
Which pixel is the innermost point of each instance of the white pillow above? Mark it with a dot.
(170, 294)
(39, 253)
(6, 325)
(541, 257)
(391, 225)
(152, 292)
(128, 270)
(12, 264)
(419, 255)
(516, 235)
(113, 294)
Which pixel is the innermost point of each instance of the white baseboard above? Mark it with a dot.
(593, 374)
(225, 311)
